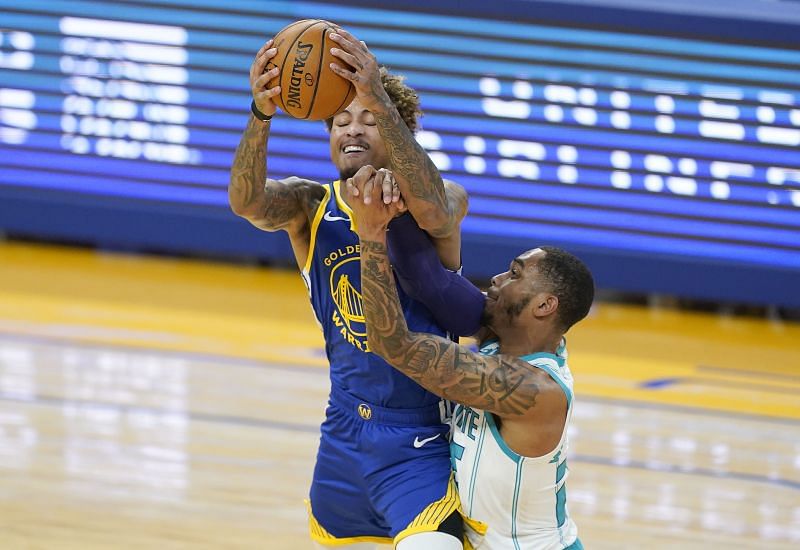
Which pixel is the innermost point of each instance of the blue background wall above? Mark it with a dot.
(663, 147)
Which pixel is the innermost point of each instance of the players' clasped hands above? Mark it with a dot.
(374, 197)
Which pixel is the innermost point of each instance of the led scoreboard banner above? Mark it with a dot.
(678, 154)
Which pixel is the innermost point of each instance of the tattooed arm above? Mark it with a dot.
(437, 206)
(268, 204)
(504, 385)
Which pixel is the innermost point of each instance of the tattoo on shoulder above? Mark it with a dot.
(285, 201)
(310, 196)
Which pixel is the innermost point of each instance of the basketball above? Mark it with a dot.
(309, 89)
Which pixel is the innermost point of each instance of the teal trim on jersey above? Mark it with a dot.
(549, 371)
(515, 505)
(475, 465)
(487, 344)
(497, 437)
(561, 495)
(532, 356)
(562, 347)
(577, 545)
(456, 452)
(559, 356)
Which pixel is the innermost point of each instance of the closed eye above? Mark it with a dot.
(341, 121)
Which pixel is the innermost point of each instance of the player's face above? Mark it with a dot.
(355, 141)
(513, 292)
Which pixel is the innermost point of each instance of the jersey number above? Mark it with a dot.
(456, 452)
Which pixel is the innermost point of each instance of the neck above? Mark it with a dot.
(520, 342)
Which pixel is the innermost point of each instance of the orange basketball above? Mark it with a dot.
(309, 89)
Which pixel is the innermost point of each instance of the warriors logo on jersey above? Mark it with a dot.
(332, 274)
(347, 298)
(348, 316)
(341, 267)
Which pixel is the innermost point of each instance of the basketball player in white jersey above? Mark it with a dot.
(509, 441)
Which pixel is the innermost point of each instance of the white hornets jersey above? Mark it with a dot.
(521, 499)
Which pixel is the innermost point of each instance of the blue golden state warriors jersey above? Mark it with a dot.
(333, 276)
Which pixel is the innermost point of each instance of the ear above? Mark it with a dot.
(546, 304)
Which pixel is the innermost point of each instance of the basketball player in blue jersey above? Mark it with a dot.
(514, 396)
(382, 473)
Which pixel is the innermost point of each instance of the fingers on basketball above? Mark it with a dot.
(310, 89)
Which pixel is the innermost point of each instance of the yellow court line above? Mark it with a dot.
(619, 352)
(160, 328)
(620, 377)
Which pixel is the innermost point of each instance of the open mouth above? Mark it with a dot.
(354, 149)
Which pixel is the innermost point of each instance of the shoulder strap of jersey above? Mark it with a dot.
(551, 364)
(323, 205)
(343, 206)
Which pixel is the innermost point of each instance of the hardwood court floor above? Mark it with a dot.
(164, 403)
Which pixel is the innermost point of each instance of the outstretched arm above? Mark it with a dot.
(456, 304)
(504, 385)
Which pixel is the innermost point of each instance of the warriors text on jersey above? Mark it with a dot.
(333, 276)
(521, 499)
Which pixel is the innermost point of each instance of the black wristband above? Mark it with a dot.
(258, 114)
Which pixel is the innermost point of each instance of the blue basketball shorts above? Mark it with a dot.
(381, 474)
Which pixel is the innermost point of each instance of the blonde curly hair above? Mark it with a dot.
(403, 96)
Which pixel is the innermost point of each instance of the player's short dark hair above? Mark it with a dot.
(403, 96)
(571, 281)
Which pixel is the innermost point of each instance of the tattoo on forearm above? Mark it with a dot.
(409, 160)
(272, 205)
(249, 170)
(384, 317)
(497, 384)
